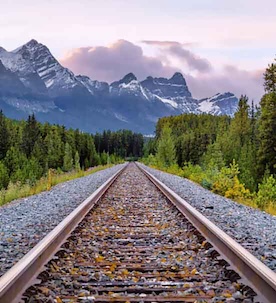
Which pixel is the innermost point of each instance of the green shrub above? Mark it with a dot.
(206, 183)
(224, 180)
(237, 191)
(193, 172)
(267, 192)
(175, 170)
(150, 160)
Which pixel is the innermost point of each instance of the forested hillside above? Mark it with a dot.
(234, 157)
(29, 149)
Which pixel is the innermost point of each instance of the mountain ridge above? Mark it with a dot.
(32, 80)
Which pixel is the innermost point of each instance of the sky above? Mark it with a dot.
(218, 45)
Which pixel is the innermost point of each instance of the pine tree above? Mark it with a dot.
(14, 160)
(54, 148)
(68, 159)
(267, 134)
(4, 176)
(238, 134)
(4, 136)
(166, 148)
(90, 151)
(241, 121)
(40, 153)
(30, 134)
(104, 158)
(267, 124)
(213, 158)
(270, 78)
(77, 161)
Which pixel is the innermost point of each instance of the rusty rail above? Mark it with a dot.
(257, 275)
(21, 275)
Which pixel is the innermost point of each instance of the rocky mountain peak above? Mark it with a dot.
(2, 50)
(128, 78)
(127, 81)
(27, 48)
(178, 78)
(175, 87)
(32, 43)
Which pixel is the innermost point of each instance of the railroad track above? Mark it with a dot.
(129, 242)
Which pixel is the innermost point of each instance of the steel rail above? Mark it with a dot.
(256, 274)
(16, 280)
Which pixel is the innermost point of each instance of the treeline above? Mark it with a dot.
(123, 143)
(235, 157)
(28, 149)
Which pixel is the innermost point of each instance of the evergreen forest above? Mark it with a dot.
(30, 150)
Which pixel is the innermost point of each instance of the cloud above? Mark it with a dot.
(115, 61)
(111, 63)
(230, 79)
(180, 51)
(209, 81)
(168, 43)
(194, 62)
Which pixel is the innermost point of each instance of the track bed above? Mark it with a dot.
(135, 246)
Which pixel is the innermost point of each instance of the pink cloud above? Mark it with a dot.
(180, 51)
(230, 79)
(113, 62)
(168, 43)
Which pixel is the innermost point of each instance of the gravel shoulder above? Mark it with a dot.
(24, 222)
(253, 229)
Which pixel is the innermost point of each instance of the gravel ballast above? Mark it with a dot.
(24, 222)
(253, 229)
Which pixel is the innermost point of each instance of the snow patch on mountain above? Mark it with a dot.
(219, 104)
(207, 106)
(121, 117)
(132, 85)
(28, 106)
(167, 101)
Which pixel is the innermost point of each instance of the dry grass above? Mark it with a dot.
(17, 190)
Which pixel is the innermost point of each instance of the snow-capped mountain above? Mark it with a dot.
(219, 104)
(173, 92)
(37, 68)
(32, 80)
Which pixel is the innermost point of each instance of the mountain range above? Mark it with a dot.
(33, 81)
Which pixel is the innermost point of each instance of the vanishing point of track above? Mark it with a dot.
(129, 242)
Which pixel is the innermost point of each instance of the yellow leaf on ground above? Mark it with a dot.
(125, 272)
(227, 295)
(113, 267)
(99, 258)
(58, 299)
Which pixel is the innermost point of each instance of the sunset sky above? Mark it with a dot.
(218, 45)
